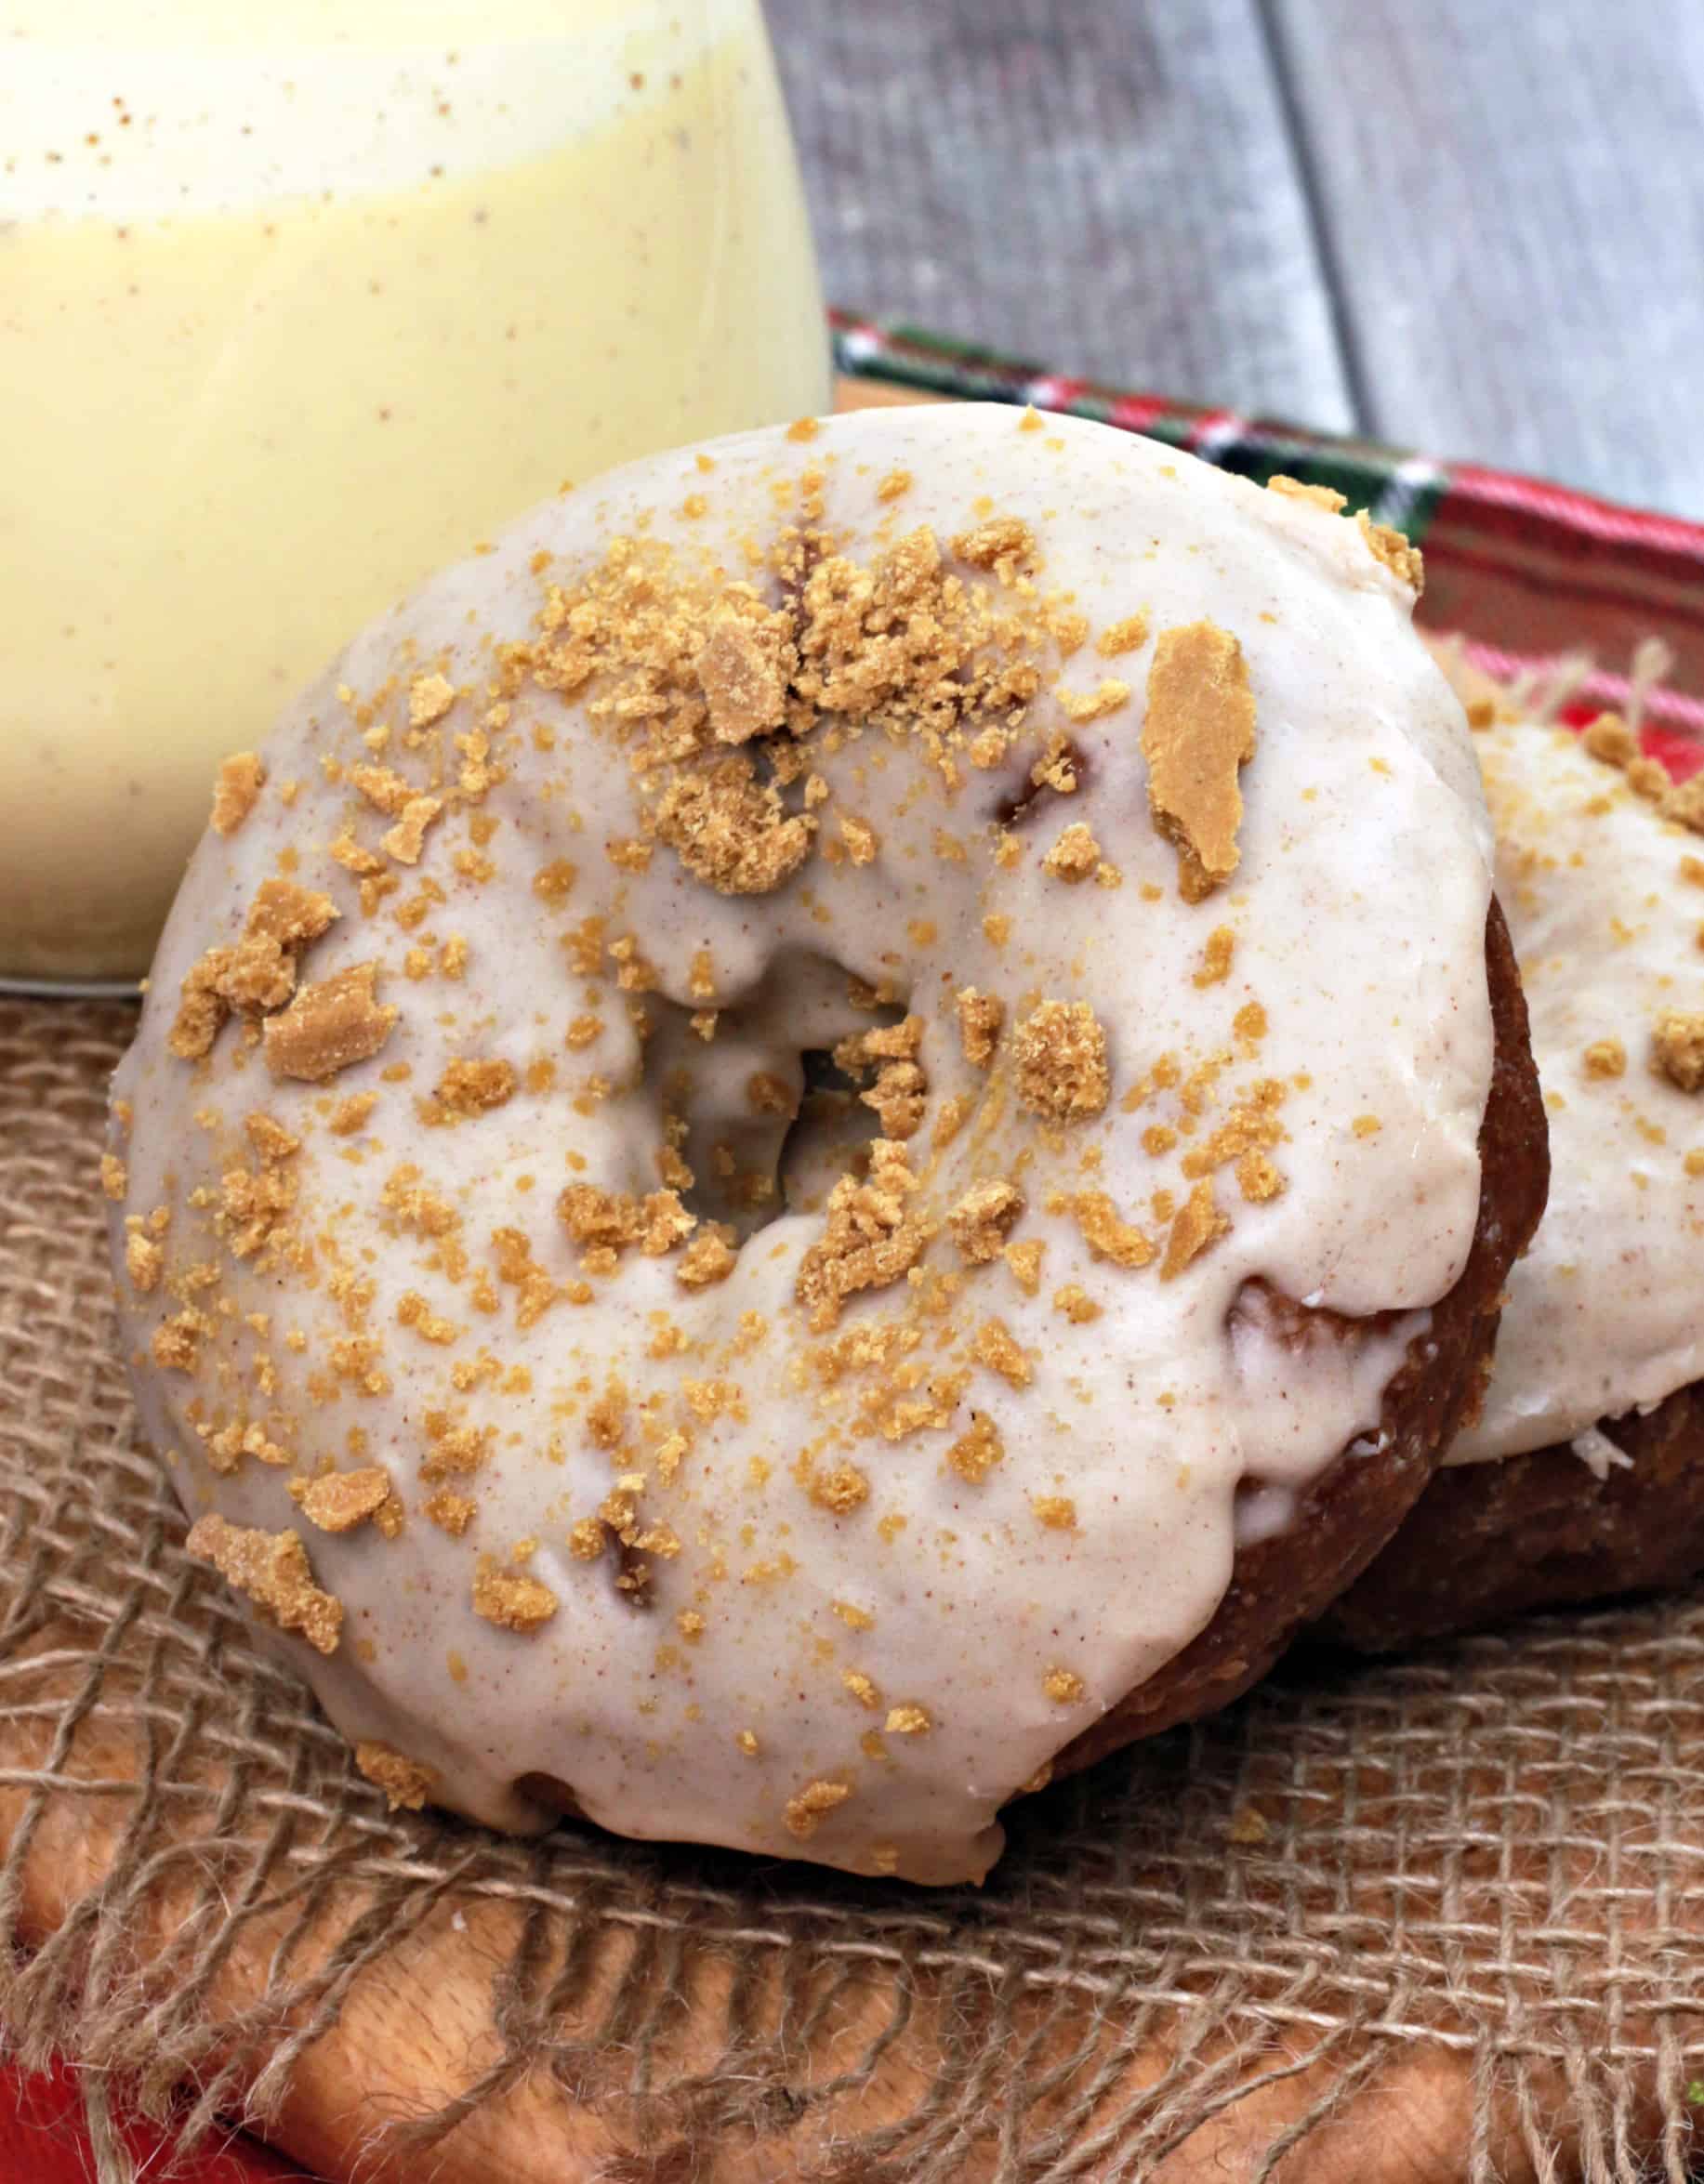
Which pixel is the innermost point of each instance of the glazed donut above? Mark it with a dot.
(834, 1118)
(1583, 1475)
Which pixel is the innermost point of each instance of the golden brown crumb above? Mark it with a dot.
(1293, 488)
(1366, 1125)
(1119, 637)
(176, 1342)
(842, 1489)
(430, 698)
(907, 1721)
(512, 1600)
(1606, 1058)
(469, 1087)
(349, 1116)
(1216, 962)
(861, 1688)
(894, 485)
(1074, 856)
(995, 1347)
(144, 1262)
(1257, 1179)
(805, 1812)
(981, 1219)
(1057, 1512)
(257, 974)
(272, 1569)
(1081, 707)
(1198, 735)
(1694, 1163)
(1076, 1304)
(330, 1026)
(861, 839)
(1677, 1047)
(450, 1511)
(338, 1501)
(980, 1018)
(406, 839)
(1197, 1226)
(1062, 1070)
(383, 787)
(1646, 778)
(710, 1258)
(731, 830)
(868, 1239)
(1609, 738)
(1064, 1686)
(236, 791)
(1005, 543)
(114, 1177)
(977, 1450)
(406, 1783)
(1107, 1236)
(1023, 1262)
(1685, 804)
(743, 675)
(1404, 561)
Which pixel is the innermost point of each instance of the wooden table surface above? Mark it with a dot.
(1476, 227)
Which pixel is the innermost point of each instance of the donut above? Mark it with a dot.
(1583, 1474)
(844, 1119)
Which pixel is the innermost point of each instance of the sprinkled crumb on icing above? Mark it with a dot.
(1606, 1058)
(272, 1569)
(330, 1026)
(1127, 636)
(236, 791)
(1196, 1227)
(1216, 957)
(338, 1501)
(977, 1450)
(406, 1783)
(805, 1812)
(1075, 856)
(1392, 549)
(980, 1017)
(1198, 735)
(982, 1218)
(1062, 1069)
(512, 1600)
(1677, 1046)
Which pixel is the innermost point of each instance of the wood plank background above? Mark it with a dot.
(1474, 226)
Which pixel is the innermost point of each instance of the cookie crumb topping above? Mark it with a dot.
(274, 1570)
(406, 1783)
(1198, 735)
(236, 791)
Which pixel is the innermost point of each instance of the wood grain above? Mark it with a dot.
(1104, 186)
(1510, 205)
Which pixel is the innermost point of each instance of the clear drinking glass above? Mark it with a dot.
(298, 301)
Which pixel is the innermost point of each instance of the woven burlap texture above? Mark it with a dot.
(1493, 1855)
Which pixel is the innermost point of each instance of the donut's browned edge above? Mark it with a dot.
(1355, 1507)
(1488, 1541)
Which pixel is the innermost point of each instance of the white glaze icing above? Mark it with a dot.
(1605, 1312)
(1358, 912)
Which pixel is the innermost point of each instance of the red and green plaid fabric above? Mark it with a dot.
(1524, 570)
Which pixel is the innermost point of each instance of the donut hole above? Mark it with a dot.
(765, 1120)
(829, 1137)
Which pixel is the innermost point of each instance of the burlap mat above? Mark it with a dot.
(1437, 1920)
